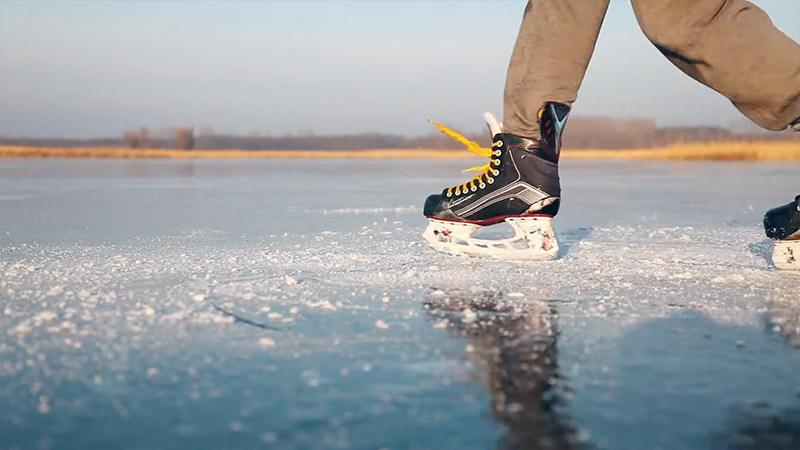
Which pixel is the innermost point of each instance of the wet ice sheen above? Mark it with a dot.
(228, 304)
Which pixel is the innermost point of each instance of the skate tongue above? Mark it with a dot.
(495, 127)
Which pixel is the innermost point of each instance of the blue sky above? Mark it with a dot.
(94, 68)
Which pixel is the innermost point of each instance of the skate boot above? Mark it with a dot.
(782, 224)
(518, 186)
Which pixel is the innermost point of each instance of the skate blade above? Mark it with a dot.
(786, 255)
(533, 239)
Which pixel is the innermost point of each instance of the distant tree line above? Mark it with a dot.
(181, 138)
(582, 132)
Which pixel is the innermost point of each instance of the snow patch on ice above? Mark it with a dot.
(266, 342)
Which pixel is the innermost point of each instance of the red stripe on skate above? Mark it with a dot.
(491, 221)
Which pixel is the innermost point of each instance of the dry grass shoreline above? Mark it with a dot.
(716, 151)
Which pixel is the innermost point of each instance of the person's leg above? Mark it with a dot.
(553, 48)
(732, 47)
(520, 184)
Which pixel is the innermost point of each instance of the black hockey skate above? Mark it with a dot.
(519, 185)
(782, 224)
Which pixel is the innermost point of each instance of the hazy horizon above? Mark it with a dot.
(95, 69)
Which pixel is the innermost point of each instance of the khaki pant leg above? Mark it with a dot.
(553, 48)
(732, 47)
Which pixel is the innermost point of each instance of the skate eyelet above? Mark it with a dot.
(490, 180)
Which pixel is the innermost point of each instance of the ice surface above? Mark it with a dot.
(230, 304)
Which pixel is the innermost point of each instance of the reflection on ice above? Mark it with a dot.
(684, 378)
(517, 343)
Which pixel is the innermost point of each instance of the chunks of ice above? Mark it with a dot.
(735, 278)
(212, 318)
(21, 329)
(176, 316)
(55, 291)
(323, 304)
(44, 317)
(44, 404)
(63, 327)
(469, 316)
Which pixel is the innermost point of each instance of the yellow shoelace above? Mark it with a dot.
(484, 170)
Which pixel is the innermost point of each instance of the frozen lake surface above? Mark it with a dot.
(292, 304)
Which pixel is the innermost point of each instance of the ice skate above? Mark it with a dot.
(519, 186)
(782, 224)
